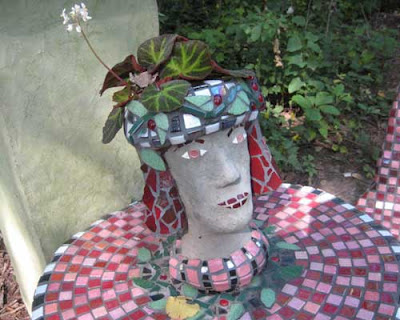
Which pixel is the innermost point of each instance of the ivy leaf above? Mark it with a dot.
(122, 95)
(190, 60)
(242, 73)
(330, 110)
(287, 246)
(323, 129)
(290, 272)
(302, 101)
(143, 283)
(144, 255)
(268, 297)
(313, 114)
(158, 304)
(155, 51)
(294, 44)
(297, 60)
(122, 69)
(255, 33)
(323, 98)
(189, 291)
(235, 311)
(168, 98)
(113, 124)
(295, 85)
(152, 159)
(299, 20)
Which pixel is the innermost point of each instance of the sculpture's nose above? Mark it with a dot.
(229, 173)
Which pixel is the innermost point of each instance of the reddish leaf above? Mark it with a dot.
(122, 69)
(243, 73)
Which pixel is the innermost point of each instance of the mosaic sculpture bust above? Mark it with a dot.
(200, 169)
(206, 162)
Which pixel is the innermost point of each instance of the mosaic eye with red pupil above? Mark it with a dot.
(217, 99)
(254, 86)
(253, 106)
(240, 138)
(193, 154)
(261, 98)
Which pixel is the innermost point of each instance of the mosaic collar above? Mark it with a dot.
(222, 274)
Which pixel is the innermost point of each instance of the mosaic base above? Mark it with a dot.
(347, 267)
(382, 202)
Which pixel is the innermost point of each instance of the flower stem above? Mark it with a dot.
(101, 61)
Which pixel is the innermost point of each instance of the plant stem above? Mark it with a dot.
(101, 61)
(329, 17)
(308, 14)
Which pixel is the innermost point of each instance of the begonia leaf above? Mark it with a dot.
(122, 69)
(155, 51)
(168, 97)
(121, 95)
(190, 60)
(113, 124)
(152, 159)
(242, 73)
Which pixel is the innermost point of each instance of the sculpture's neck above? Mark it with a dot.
(202, 243)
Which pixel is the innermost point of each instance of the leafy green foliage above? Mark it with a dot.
(190, 60)
(156, 50)
(320, 69)
(113, 124)
(167, 98)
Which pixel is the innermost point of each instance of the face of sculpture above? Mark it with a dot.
(213, 178)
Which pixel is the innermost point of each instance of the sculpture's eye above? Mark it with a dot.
(240, 137)
(194, 153)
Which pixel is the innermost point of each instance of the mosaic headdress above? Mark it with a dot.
(174, 94)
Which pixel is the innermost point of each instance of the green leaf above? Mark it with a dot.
(313, 46)
(168, 98)
(143, 283)
(242, 73)
(240, 104)
(161, 120)
(155, 51)
(323, 98)
(113, 124)
(202, 102)
(158, 304)
(190, 60)
(303, 102)
(270, 229)
(323, 129)
(255, 33)
(290, 272)
(299, 20)
(313, 114)
(122, 95)
(297, 60)
(136, 107)
(295, 85)
(144, 255)
(287, 246)
(294, 44)
(189, 291)
(152, 159)
(268, 297)
(330, 110)
(235, 311)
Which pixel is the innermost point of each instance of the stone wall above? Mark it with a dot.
(56, 177)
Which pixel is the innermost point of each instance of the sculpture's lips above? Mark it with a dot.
(237, 202)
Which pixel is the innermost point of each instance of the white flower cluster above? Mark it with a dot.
(78, 12)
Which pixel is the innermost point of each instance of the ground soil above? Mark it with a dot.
(331, 169)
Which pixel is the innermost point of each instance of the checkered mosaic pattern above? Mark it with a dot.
(382, 202)
(349, 267)
(227, 274)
